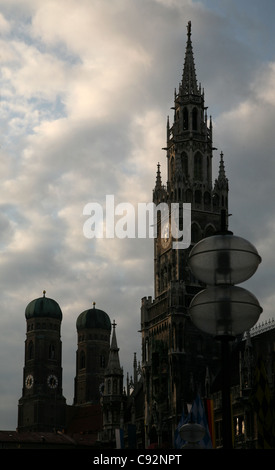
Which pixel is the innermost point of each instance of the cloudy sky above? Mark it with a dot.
(85, 90)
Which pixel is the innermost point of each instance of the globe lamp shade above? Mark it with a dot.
(224, 311)
(223, 259)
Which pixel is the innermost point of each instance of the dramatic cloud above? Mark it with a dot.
(86, 87)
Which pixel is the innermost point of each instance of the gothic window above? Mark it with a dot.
(198, 197)
(185, 119)
(216, 200)
(184, 159)
(172, 167)
(198, 167)
(189, 196)
(209, 231)
(195, 233)
(30, 350)
(207, 199)
(51, 351)
(195, 119)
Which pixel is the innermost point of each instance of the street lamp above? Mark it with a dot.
(223, 309)
(192, 434)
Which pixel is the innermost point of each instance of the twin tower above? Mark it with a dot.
(42, 406)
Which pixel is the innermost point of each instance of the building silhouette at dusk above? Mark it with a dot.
(178, 361)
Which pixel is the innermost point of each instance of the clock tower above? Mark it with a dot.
(175, 355)
(42, 406)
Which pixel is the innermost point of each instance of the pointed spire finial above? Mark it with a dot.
(189, 80)
(94, 303)
(221, 168)
(189, 30)
(158, 178)
(44, 292)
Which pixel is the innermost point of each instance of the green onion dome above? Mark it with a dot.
(43, 307)
(93, 318)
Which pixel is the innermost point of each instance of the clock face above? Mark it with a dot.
(29, 381)
(165, 235)
(52, 381)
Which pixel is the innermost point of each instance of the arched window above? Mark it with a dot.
(198, 197)
(30, 350)
(189, 196)
(207, 199)
(82, 362)
(198, 167)
(185, 119)
(216, 200)
(184, 161)
(172, 167)
(209, 231)
(51, 351)
(195, 119)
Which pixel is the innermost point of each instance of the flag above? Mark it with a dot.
(198, 416)
(264, 408)
(178, 442)
(210, 419)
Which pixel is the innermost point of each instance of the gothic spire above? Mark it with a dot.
(222, 181)
(189, 79)
(113, 363)
(158, 178)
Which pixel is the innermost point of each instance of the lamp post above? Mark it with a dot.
(223, 309)
(192, 434)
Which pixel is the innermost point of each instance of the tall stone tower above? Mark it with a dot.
(175, 355)
(112, 399)
(93, 332)
(42, 406)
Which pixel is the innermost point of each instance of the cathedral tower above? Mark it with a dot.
(93, 332)
(42, 406)
(175, 355)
